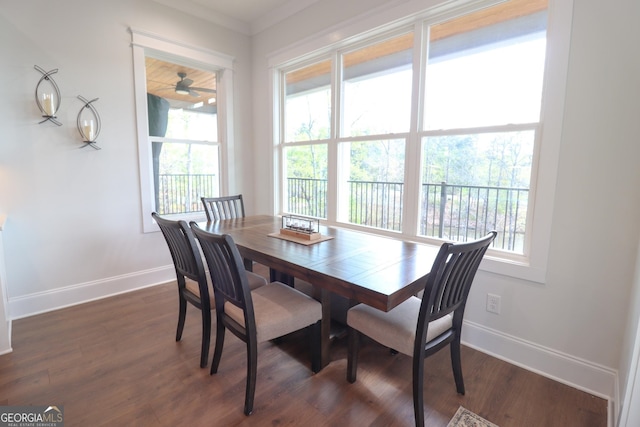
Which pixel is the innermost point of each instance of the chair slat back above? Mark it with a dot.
(226, 207)
(226, 267)
(451, 276)
(183, 248)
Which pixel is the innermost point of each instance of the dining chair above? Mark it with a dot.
(224, 207)
(191, 278)
(261, 315)
(421, 327)
(229, 207)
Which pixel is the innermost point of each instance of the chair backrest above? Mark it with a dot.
(184, 251)
(450, 280)
(225, 207)
(227, 271)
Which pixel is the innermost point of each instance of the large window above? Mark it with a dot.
(183, 137)
(183, 133)
(436, 146)
(307, 106)
(483, 91)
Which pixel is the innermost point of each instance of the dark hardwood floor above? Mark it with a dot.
(116, 362)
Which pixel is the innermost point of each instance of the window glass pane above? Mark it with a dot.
(182, 105)
(472, 184)
(377, 88)
(193, 125)
(373, 187)
(186, 172)
(307, 106)
(189, 95)
(306, 180)
(485, 70)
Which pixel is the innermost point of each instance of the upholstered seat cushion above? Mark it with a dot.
(255, 281)
(192, 286)
(396, 328)
(279, 310)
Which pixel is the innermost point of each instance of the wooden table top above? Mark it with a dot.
(375, 270)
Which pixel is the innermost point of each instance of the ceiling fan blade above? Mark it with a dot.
(185, 82)
(203, 89)
(193, 93)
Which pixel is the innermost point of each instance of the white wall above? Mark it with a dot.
(74, 227)
(74, 220)
(570, 327)
(629, 403)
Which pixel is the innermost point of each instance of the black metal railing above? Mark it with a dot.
(307, 196)
(179, 194)
(467, 212)
(452, 212)
(376, 204)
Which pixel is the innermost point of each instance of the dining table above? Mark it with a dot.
(361, 266)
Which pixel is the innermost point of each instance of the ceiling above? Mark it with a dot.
(246, 16)
(242, 10)
(162, 78)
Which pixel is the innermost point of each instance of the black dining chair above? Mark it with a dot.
(229, 207)
(421, 327)
(264, 314)
(224, 207)
(191, 277)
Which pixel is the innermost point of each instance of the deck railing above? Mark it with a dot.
(181, 193)
(452, 212)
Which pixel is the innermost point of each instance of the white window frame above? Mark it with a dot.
(533, 265)
(144, 43)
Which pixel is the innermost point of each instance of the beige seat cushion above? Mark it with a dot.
(192, 286)
(395, 329)
(279, 310)
(255, 281)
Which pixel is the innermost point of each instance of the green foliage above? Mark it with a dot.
(308, 161)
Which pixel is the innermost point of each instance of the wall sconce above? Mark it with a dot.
(88, 127)
(48, 101)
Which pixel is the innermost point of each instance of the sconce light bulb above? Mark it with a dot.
(87, 128)
(48, 104)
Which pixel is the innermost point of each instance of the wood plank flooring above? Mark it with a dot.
(115, 362)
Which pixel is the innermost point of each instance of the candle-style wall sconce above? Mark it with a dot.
(48, 98)
(88, 127)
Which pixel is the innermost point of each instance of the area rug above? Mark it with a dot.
(465, 418)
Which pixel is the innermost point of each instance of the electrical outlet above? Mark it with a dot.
(493, 303)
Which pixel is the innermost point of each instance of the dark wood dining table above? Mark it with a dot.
(365, 268)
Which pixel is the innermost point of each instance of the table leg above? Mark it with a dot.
(325, 328)
(278, 276)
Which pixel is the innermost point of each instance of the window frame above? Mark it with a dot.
(533, 264)
(144, 43)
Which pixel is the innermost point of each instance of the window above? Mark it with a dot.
(307, 106)
(182, 123)
(444, 145)
(183, 133)
(483, 91)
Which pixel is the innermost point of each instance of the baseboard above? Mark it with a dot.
(42, 302)
(5, 342)
(578, 373)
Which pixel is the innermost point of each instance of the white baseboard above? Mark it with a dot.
(581, 374)
(5, 341)
(42, 302)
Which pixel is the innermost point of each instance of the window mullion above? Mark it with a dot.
(413, 157)
(333, 171)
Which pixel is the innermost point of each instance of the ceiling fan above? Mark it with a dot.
(183, 87)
